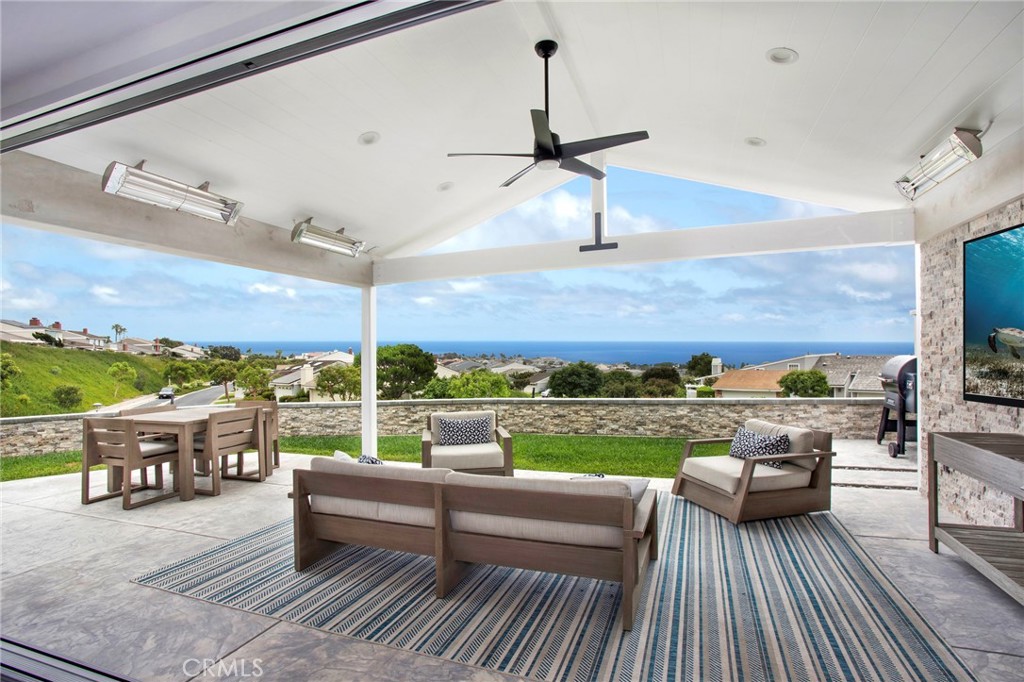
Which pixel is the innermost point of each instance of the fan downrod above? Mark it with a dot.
(546, 49)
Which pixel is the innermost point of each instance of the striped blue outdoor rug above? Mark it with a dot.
(787, 599)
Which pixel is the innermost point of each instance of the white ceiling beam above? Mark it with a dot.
(880, 228)
(51, 196)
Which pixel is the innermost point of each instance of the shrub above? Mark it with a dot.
(658, 388)
(661, 372)
(438, 389)
(55, 371)
(578, 380)
(480, 383)
(705, 392)
(810, 383)
(67, 396)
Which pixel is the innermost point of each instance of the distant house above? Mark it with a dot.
(514, 368)
(304, 378)
(463, 366)
(853, 376)
(12, 331)
(137, 346)
(443, 372)
(539, 382)
(187, 352)
(750, 383)
(84, 340)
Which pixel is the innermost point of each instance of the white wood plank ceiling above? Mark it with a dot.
(876, 84)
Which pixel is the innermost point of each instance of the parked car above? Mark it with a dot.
(166, 393)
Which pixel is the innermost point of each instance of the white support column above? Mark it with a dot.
(599, 194)
(369, 371)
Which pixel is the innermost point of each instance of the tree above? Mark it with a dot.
(224, 353)
(519, 380)
(222, 372)
(810, 383)
(123, 373)
(67, 397)
(119, 331)
(169, 343)
(48, 339)
(255, 381)
(619, 383)
(178, 372)
(339, 381)
(480, 383)
(578, 380)
(659, 388)
(699, 365)
(9, 369)
(438, 389)
(403, 368)
(662, 372)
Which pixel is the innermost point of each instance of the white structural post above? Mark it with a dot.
(599, 195)
(369, 371)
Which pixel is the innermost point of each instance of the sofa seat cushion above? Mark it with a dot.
(581, 534)
(800, 440)
(151, 448)
(375, 511)
(476, 456)
(724, 473)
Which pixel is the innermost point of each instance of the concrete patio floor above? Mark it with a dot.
(65, 571)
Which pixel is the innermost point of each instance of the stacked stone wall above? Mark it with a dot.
(940, 369)
(699, 418)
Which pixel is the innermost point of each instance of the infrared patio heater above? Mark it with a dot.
(899, 381)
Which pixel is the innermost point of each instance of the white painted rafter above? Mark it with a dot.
(879, 228)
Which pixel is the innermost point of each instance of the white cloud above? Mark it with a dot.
(35, 300)
(733, 317)
(863, 296)
(108, 295)
(628, 309)
(424, 300)
(116, 252)
(465, 286)
(874, 272)
(271, 289)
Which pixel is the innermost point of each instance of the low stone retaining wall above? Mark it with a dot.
(698, 418)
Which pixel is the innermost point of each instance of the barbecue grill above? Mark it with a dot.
(899, 381)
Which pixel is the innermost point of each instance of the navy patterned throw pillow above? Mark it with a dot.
(750, 444)
(369, 459)
(463, 431)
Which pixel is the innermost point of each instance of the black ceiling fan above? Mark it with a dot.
(548, 150)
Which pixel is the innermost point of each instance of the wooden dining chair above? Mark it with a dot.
(271, 436)
(115, 443)
(230, 432)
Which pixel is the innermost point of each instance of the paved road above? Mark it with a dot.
(203, 396)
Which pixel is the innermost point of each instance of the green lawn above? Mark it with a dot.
(613, 455)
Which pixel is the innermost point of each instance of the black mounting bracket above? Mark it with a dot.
(598, 245)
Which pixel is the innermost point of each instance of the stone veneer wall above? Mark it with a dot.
(940, 368)
(701, 418)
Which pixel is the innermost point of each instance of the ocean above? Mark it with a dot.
(734, 353)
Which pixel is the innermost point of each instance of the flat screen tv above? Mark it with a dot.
(994, 318)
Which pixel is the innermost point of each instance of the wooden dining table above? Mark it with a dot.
(184, 424)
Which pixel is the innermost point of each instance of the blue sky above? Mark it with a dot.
(843, 295)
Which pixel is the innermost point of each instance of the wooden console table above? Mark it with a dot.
(996, 459)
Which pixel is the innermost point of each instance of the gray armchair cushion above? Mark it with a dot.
(800, 440)
(724, 473)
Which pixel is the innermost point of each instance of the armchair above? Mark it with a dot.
(746, 490)
(461, 442)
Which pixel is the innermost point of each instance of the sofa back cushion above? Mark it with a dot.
(368, 509)
(544, 530)
(435, 422)
(800, 440)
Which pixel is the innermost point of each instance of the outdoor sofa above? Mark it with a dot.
(596, 528)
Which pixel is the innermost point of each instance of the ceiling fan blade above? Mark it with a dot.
(541, 131)
(577, 166)
(518, 175)
(525, 156)
(598, 143)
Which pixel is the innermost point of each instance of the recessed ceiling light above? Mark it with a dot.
(369, 137)
(782, 55)
(445, 186)
(755, 141)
